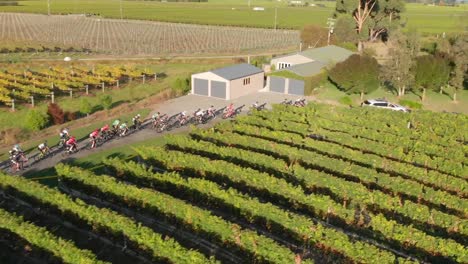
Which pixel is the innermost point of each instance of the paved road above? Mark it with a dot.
(171, 107)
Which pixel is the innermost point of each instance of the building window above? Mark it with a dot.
(247, 81)
(283, 65)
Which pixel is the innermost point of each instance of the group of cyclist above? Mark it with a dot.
(119, 128)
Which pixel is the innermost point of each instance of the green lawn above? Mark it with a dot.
(434, 101)
(428, 19)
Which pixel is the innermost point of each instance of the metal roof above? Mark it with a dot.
(327, 54)
(307, 69)
(237, 71)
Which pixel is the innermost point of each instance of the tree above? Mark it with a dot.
(36, 120)
(459, 55)
(314, 36)
(85, 106)
(345, 29)
(397, 69)
(357, 74)
(106, 101)
(431, 72)
(56, 114)
(372, 18)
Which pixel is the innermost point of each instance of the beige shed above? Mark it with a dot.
(229, 82)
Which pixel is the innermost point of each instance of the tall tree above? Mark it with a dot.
(397, 69)
(459, 55)
(431, 72)
(357, 74)
(345, 29)
(372, 18)
(314, 36)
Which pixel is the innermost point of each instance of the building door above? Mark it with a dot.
(218, 89)
(200, 86)
(277, 84)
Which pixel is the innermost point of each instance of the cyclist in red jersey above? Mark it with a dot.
(71, 144)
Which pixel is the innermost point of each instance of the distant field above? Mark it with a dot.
(116, 36)
(428, 19)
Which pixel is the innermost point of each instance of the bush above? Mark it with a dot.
(56, 114)
(345, 100)
(36, 120)
(70, 116)
(181, 86)
(85, 106)
(410, 104)
(106, 101)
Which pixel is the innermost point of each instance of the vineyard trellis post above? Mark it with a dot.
(71, 92)
(155, 76)
(103, 87)
(52, 97)
(117, 83)
(143, 78)
(87, 89)
(12, 105)
(32, 101)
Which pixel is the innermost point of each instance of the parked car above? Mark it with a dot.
(381, 103)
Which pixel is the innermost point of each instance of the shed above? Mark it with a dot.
(325, 55)
(229, 82)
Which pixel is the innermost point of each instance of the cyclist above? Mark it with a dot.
(123, 129)
(17, 149)
(199, 115)
(15, 159)
(93, 136)
(211, 111)
(66, 132)
(136, 121)
(105, 130)
(43, 149)
(229, 111)
(156, 116)
(115, 124)
(71, 144)
(230, 108)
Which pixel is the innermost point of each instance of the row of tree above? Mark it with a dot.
(406, 69)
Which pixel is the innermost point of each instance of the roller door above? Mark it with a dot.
(218, 89)
(200, 86)
(296, 87)
(277, 84)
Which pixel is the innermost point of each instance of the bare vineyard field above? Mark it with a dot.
(141, 37)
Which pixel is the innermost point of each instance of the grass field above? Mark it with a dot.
(427, 19)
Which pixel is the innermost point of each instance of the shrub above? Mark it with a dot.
(410, 104)
(85, 106)
(36, 120)
(56, 114)
(70, 116)
(181, 85)
(106, 101)
(345, 100)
